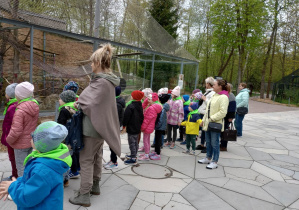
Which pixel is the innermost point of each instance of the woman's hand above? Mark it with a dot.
(201, 124)
(203, 97)
(76, 104)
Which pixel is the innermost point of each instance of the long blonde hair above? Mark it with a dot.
(102, 57)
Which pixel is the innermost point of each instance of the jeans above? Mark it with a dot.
(239, 124)
(170, 128)
(212, 144)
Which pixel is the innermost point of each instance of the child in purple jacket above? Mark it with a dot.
(8, 114)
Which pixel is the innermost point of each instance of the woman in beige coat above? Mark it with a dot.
(215, 112)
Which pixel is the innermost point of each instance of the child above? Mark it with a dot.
(148, 125)
(66, 110)
(120, 102)
(133, 119)
(192, 98)
(186, 103)
(160, 127)
(192, 127)
(23, 124)
(71, 85)
(8, 114)
(41, 186)
(175, 116)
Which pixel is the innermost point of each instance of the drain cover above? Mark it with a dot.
(152, 171)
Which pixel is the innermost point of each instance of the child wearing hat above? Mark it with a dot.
(73, 86)
(121, 104)
(8, 114)
(23, 124)
(133, 119)
(50, 158)
(175, 116)
(186, 103)
(149, 122)
(192, 127)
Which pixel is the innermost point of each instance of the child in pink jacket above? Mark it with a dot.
(148, 126)
(175, 116)
(8, 114)
(23, 124)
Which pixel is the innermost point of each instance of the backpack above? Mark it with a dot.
(75, 132)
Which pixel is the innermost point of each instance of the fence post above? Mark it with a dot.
(152, 74)
(31, 54)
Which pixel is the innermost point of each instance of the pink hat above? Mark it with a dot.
(154, 97)
(176, 91)
(24, 90)
(198, 95)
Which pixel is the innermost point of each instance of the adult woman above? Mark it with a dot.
(231, 111)
(216, 111)
(100, 122)
(242, 100)
(202, 109)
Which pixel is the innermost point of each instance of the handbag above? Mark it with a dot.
(242, 110)
(214, 127)
(230, 134)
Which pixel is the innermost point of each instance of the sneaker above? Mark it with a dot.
(183, 143)
(155, 157)
(142, 154)
(223, 149)
(186, 151)
(111, 166)
(144, 157)
(179, 139)
(199, 147)
(204, 151)
(75, 175)
(141, 149)
(152, 153)
(204, 161)
(193, 152)
(106, 164)
(9, 197)
(131, 161)
(172, 146)
(212, 165)
(167, 144)
(127, 156)
(153, 146)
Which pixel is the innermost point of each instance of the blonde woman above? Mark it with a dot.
(100, 122)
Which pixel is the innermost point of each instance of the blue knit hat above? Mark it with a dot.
(48, 136)
(117, 90)
(194, 106)
(71, 86)
(186, 97)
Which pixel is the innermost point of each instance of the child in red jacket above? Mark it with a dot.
(8, 114)
(148, 126)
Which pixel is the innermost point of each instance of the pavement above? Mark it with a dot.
(259, 171)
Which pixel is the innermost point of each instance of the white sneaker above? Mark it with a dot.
(193, 152)
(9, 197)
(212, 165)
(204, 161)
(107, 164)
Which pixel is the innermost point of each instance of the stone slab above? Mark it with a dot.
(201, 172)
(235, 163)
(161, 199)
(266, 171)
(172, 205)
(258, 155)
(184, 165)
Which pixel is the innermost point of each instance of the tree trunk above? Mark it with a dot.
(222, 68)
(232, 71)
(283, 60)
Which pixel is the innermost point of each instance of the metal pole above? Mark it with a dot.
(144, 75)
(196, 78)
(152, 75)
(182, 68)
(44, 60)
(96, 24)
(31, 55)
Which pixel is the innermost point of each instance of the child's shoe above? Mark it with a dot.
(144, 157)
(172, 146)
(131, 161)
(75, 175)
(141, 155)
(141, 149)
(111, 166)
(179, 139)
(183, 143)
(193, 152)
(152, 153)
(155, 157)
(167, 144)
(187, 151)
(106, 164)
(128, 157)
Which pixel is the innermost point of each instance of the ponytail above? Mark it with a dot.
(102, 57)
(223, 83)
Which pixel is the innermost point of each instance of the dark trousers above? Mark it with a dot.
(182, 132)
(203, 134)
(133, 144)
(226, 125)
(11, 156)
(75, 164)
(113, 156)
(173, 129)
(158, 142)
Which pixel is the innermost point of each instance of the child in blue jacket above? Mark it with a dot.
(51, 158)
(186, 101)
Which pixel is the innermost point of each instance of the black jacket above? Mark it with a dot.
(64, 116)
(133, 118)
(121, 104)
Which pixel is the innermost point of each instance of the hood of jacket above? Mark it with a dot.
(121, 101)
(166, 107)
(157, 108)
(108, 76)
(30, 107)
(245, 90)
(224, 92)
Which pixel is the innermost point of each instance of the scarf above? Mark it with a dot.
(29, 99)
(60, 153)
(129, 102)
(177, 98)
(193, 112)
(117, 96)
(70, 104)
(187, 103)
(11, 101)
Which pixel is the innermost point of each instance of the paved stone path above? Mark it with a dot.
(259, 171)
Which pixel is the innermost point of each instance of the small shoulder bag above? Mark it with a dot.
(214, 127)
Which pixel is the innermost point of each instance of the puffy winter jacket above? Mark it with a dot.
(176, 112)
(150, 116)
(133, 118)
(186, 112)
(162, 123)
(192, 124)
(23, 124)
(7, 122)
(121, 104)
(242, 98)
(231, 110)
